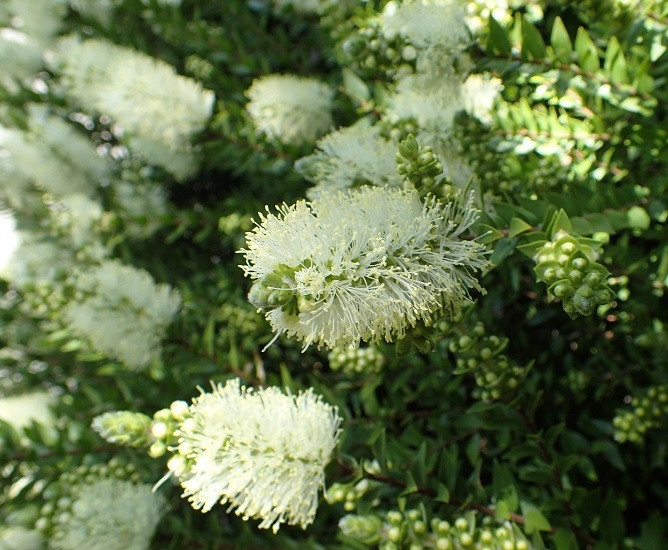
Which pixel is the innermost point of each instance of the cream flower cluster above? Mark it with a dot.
(122, 312)
(290, 109)
(426, 23)
(36, 259)
(51, 156)
(157, 109)
(20, 538)
(350, 157)
(26, 28)
(361, 265)
(109, 514)
(19, 411)
(260, 451)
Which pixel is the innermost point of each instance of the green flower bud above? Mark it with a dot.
(394, 534)
(563, 291)
(579, 263)
(123, 428)
(394, 518)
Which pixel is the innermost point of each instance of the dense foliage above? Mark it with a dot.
(467, 317)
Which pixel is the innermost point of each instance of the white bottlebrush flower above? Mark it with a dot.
(39, 19)
(290, 108)
(350, 157)
(37, 259)
(20, 55)
(362, 265)
(109, 514)
(20, 538)
(19, 411)
(261, 451)
(9, 239)
(78, 218)
(51, 155)
(158, 110)
(479, 92)
(432, 103)
(122, 312)
(426, 23)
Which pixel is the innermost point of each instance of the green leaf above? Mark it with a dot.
(489, 234)
(534, 519)
(531, 249)
(442, 493)
(561, 42)
(517, 226)
(532, 41)
(564, 540)
(355, 87)
(498, 39)
(653, 534)
(559, 222)
(581, 226)
(586, 52)
(612, 520)
(638, 218)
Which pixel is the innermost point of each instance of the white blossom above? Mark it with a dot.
(39, 19)
(361, 265)
(426, 23)
(37, 259)
(158, 110)
(430, 101)
(109, 514)
(9, 239)
(290, 108)
(260, 451)
(20, 538)
(122, 312)
(51, 155)
(19, 411)
(20, 56)
(77, 217)
(478, 93)
(350, 157)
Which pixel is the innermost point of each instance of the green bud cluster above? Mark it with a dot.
(501, 172)
(46, 299)
(367, 51)
(565, 265)
(356, 360)
(398, 130)
(420, 167)
(271, 291)
(577, 381)
(413, 530)
(233, 226)
(239, 320)
(347, 493)
(199, 67)
(164, 424)
(496, 376)
(648, 411)
(58, 496)
(125, 428)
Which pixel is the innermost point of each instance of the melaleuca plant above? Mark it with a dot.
(445, 328)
